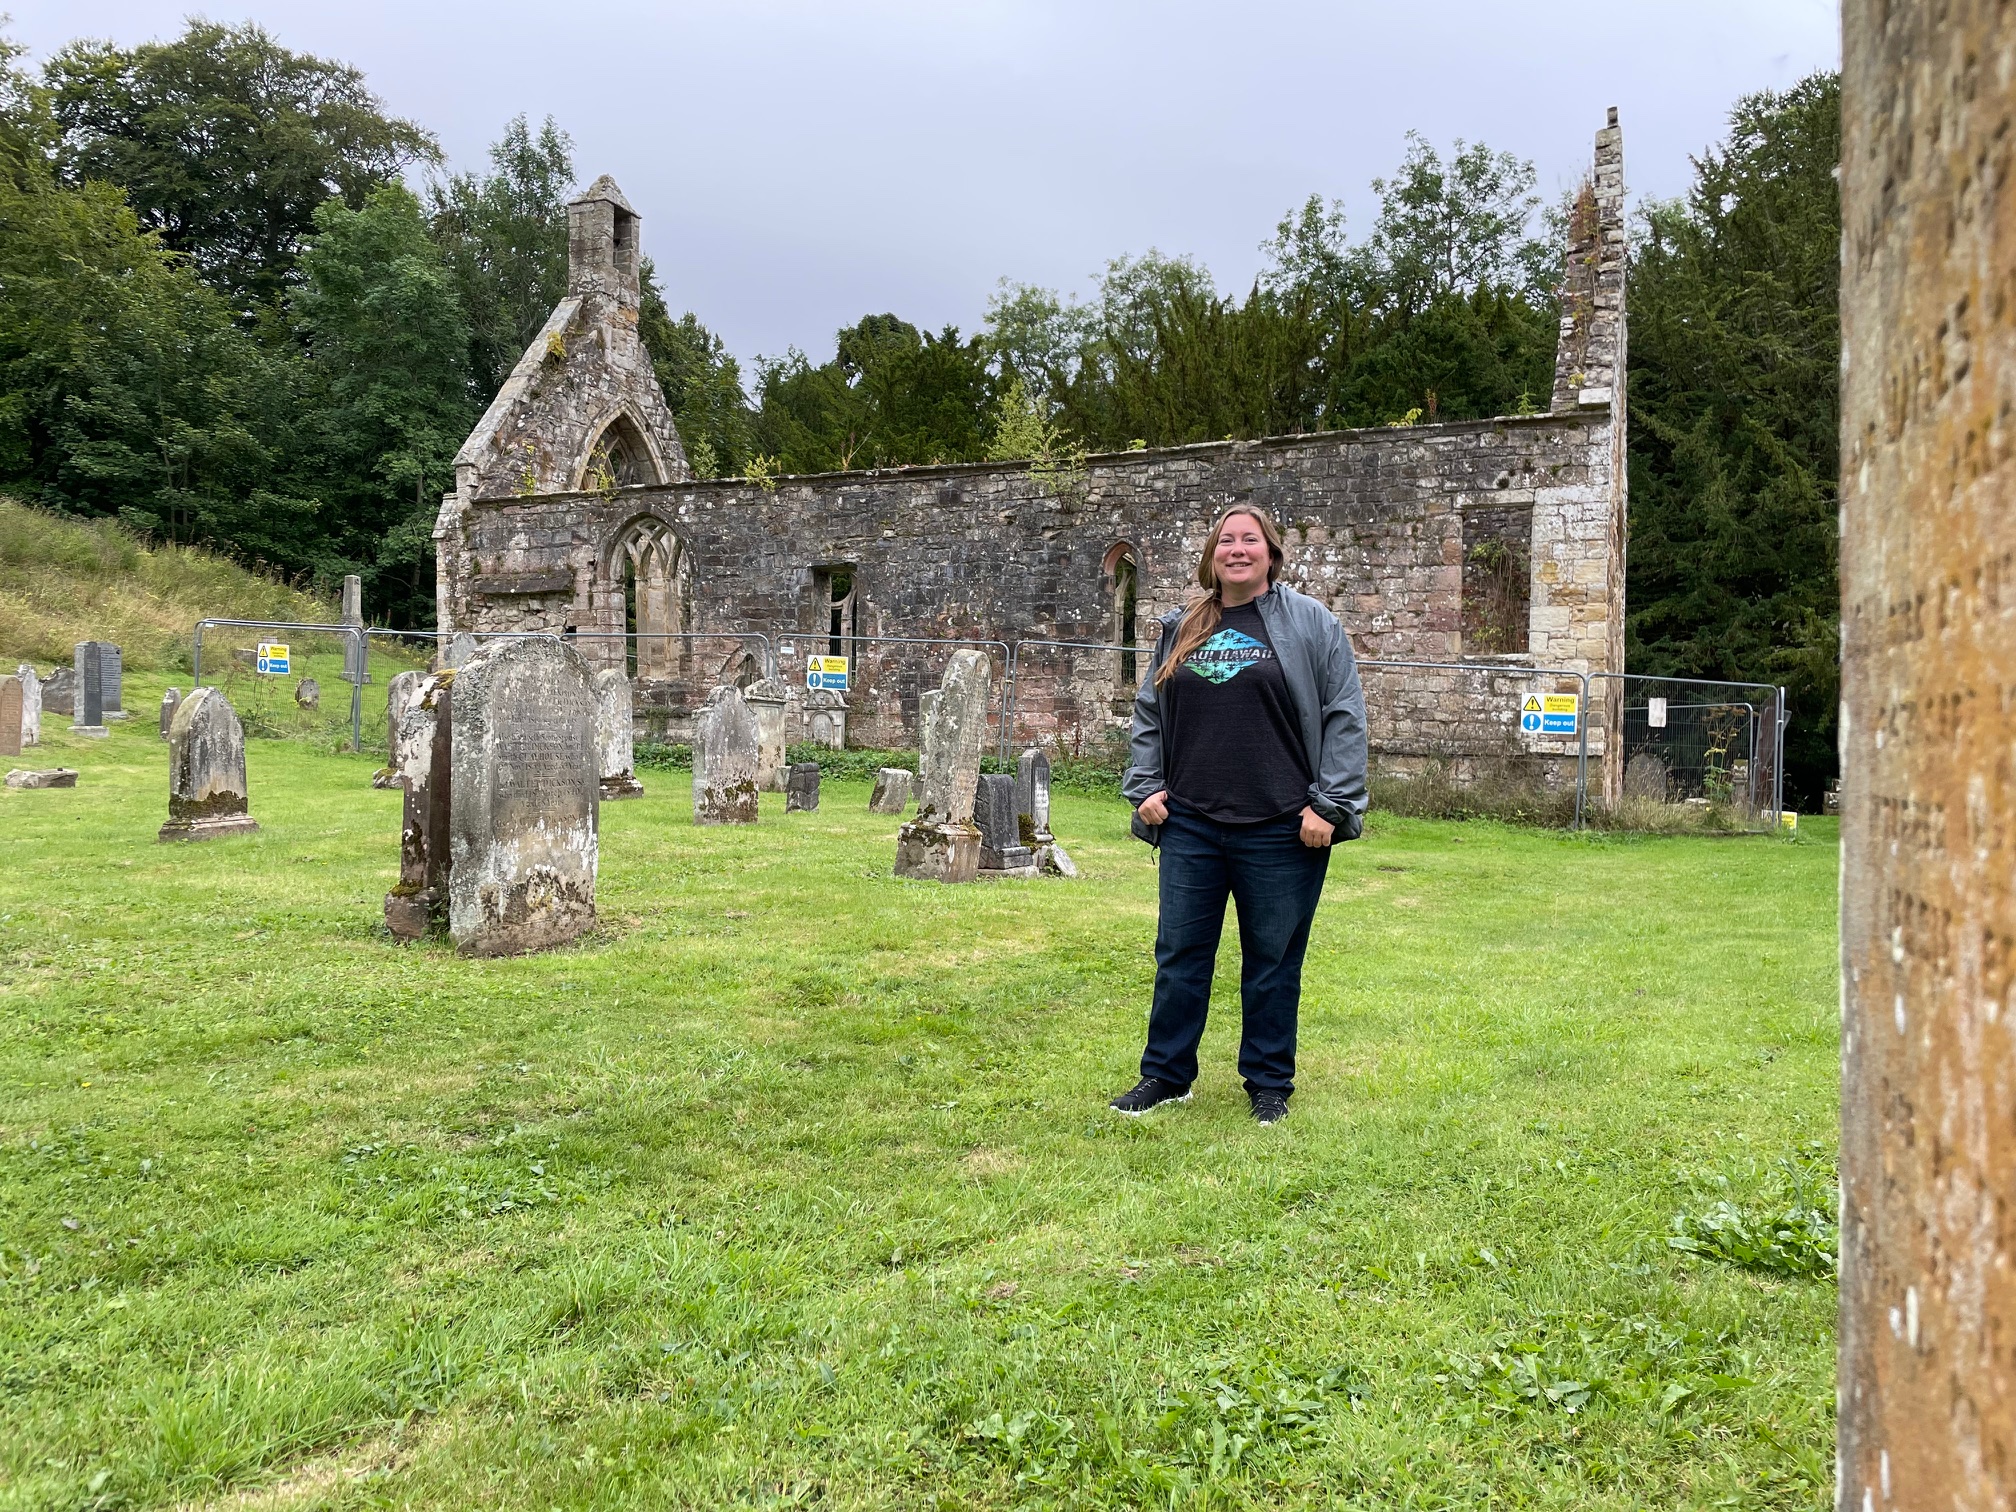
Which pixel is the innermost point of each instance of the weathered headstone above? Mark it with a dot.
(402, 692)
(461, 646)
(112, 680)
(423, 768)
(892, 791)
(10, 716)
(171, 700)
(616, 731)
(89, 670)
(801, 787)
(1002, 853)
(942, 843)
(1927, 1375)
(1645, 776)
(355, 649)
(206, 770)
(308, 693)
(826, 718)
(31, 705)
(768, 699)
(60, 777)
(523, 820)
(1032, 813)
(724, 760)
(59, 692)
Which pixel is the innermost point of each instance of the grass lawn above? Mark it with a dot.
(794, 1186)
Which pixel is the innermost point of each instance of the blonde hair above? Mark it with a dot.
(1206, 610)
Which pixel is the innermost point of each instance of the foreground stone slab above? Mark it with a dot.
(206, 770)
(523, 824)
(801, 788)
(31, 705)
(724, 760)
(942, 843)
(1002, 853)
(423, 751)
(616, 731)
(892, 791)
(59, 777)
(769, 699)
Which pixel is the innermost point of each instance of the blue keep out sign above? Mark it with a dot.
(1529, 721)
(1550, 714)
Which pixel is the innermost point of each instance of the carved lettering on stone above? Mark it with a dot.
(523, 842)
(206, 770)
(724, 760)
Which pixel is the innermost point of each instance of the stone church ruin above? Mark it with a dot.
(1493, 546)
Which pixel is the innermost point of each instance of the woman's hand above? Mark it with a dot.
(1316, 830)
(1154, 808)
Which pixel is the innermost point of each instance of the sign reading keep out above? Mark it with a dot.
(1550, 714)
(826, 672)
(273, 657)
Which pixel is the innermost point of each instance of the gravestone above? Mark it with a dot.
(941, 843)
(104, 656)
(308, 693)
(523, 759)
(724, 760)
(461, 646)
(402, 692)
(59, 693)
(206, 770)
(826, 718)
(801, 788)
(171, 700)
(356, 650)
(1032, 814)
(89, 671)
(10, 716)
(31, 705)
(60, 777)
(423, 768)
(892, 791)
(616, 731)
(1645, 776)
(768, 699)
(1002, 853)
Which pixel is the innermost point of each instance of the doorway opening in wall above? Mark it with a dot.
(1125, 576)
(837, 607)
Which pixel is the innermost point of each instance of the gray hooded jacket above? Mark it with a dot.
(1322, 676)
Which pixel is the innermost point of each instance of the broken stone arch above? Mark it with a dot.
(650, 575)
(620, 456)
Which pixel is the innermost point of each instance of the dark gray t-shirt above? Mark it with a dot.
(1231, 743)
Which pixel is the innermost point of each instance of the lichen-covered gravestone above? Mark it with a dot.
(423, 767)
(801, 788)
(88, 716)
(942, 844)
(1002, 853)
(31, 706)
(171, 700)
(724, 760)
(401, 694)
(1032, 811)
(461, 646)
(10, 716)
(523, 821)
(768, 699)
(308, 693)
(206, 770)
(616, 731)
(892, 791)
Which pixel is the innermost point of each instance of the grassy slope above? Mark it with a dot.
(795, 1185)
(63, 581)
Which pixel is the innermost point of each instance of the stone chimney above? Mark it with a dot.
(602, 244)
(1589, 361)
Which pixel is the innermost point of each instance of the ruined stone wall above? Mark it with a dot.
(1927, 1381)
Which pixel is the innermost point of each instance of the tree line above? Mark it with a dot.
(226, 316)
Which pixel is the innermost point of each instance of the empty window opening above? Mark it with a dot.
(618, 459)
(1125, 577)
(838, 609)
(649, 562)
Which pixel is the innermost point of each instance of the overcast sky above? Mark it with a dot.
(800, 163)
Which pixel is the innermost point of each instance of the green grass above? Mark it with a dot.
(794, 1185)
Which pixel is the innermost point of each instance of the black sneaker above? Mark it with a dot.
(1269, 1106)
(1149, 1092)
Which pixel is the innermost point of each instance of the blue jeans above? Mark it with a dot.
(1276, 880)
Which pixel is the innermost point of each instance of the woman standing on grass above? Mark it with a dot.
(1248, 762)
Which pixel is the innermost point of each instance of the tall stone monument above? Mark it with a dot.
(724, 760)
(206, 770)
(942, 843)
(1927, 1375)
(1002, 853)
(10, 716)
(171, 700)
(89, 670)
(31, 705)
(355, 649)
(423, 768)
(768, 699)
(523, 822)
(615, 725)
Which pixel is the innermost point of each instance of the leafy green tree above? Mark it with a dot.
(225, 143)
(1734, 406)
(702, 383)
(389, 349)
(503, 236)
